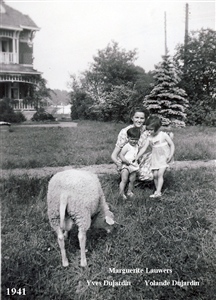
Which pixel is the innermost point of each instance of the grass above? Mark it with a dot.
(89, 143)
(176, 232)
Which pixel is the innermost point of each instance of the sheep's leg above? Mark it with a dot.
(62, 208)
(61, 243)
(82, 243)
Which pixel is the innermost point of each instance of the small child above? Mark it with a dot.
(162, 151)
(129, 167)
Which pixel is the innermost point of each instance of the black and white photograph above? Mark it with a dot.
(108, 149)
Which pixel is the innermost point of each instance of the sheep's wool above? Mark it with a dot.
(82, 191)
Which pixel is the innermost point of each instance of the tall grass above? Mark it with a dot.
(89, 143)
(175, 232)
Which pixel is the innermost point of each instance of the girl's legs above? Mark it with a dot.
(155, 176)
(124, 181)
(160, 180)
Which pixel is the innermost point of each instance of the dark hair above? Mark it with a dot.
(133, 133)
(154, 122)
(139, 109)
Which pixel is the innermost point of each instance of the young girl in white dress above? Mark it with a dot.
(162, 151)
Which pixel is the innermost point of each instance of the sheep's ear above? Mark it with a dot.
(109, 220)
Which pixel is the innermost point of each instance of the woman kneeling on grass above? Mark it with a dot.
(162, 151)
(137, 116)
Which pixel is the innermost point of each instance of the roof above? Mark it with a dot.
(12, 18)
(17, 69)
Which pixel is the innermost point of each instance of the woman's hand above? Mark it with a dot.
(125, 161)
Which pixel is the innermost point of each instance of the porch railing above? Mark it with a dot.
(8, 58)
(23, 105)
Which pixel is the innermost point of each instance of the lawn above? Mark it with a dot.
(89, 143)
(176, 232)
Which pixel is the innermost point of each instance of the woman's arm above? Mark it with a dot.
(122, 155)
(114, 155)
(143, 149)
(121, 141)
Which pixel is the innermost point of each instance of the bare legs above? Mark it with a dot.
(132, 179)
(158, 179)
(125, 177)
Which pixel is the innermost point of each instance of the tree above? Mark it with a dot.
(81, 102)
(105, 86)
(116, 104)
(166, 99)
(39, 93)
(112, 66)
(197, 63)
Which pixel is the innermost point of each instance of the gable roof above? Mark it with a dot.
(12, 18)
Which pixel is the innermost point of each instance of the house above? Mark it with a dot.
(18, 78)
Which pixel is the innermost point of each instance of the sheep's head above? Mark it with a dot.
(105, 221)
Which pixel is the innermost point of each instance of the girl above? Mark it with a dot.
(162, 151)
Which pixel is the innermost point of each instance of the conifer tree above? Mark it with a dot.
(166, 99)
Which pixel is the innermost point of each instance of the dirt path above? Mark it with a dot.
(98, 169)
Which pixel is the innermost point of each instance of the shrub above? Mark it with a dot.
(210, 119)
(7, 114)
(42, 115)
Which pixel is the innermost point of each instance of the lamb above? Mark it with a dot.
(76, 197)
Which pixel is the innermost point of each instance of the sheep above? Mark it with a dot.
(76, 197)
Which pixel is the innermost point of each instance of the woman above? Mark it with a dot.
(138, 116)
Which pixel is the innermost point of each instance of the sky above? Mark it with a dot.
(72, 32)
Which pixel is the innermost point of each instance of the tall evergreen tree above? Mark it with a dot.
(166, 99)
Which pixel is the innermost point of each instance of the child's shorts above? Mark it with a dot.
(131, 168)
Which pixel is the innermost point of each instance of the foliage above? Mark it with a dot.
(81, 101)
(115, 104)
(197, 62)
(40, 94)
(177, 233)
(90, 143)
(42, 115)
(111, 67)
(7, 113)
(100, 89)
(166, 99)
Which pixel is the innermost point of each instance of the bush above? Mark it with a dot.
(7, 114)
(42, 115)
(210, 119)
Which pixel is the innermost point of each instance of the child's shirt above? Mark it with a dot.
(131, 153)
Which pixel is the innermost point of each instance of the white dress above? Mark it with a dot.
(160, 151)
